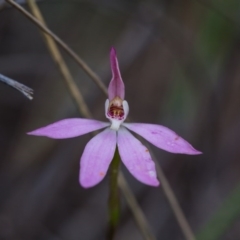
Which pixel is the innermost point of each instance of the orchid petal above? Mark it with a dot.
(136, 158)
(116, 86)
(69, 128)
(162, 137)
(96, 158)
(125, 109)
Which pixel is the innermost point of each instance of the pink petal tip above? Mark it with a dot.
(69, 128)
(162, 137)
(113, 52)
(136, 158)
(97, 157)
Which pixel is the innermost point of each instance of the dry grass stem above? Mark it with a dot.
(137, 213)
(182, 221)
(56, 55)
(79, 61)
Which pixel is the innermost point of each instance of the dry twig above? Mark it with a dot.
(56, 55)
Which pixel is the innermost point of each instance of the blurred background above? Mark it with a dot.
(180, 61)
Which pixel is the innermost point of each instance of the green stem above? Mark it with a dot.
(113, 202)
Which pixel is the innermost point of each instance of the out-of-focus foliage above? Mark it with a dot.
(224, 218)
(180, 61)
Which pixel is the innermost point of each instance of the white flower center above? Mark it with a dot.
(116, 111)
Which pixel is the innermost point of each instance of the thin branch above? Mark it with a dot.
(137, 213)
(56, 55)
(28, 92)
(181, 219)
(80, 62)
(165, 185)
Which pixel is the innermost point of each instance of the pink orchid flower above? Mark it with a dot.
(100, 150)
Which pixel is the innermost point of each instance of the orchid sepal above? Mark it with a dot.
(116, 86)
(69, 127)
(163, 138)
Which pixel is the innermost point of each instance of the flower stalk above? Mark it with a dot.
(113, 201)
